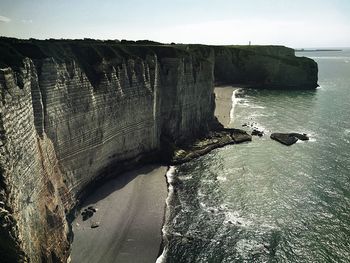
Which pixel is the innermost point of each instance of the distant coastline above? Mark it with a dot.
(315, 50)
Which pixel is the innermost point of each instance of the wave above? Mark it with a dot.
(170, 174)
(337, 58)
(235, 101)
(234, 218)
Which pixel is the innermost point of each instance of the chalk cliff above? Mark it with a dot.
(73, 112)
(264, 67)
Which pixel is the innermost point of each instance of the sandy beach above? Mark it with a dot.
(130, 210)
(130, 213)
(223, 101)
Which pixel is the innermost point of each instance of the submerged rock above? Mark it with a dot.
(256, 132)
(288, 138)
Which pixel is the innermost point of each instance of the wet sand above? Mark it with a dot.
(130, 215)
(223, 101)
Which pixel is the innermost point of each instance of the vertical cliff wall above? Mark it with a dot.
(264, 66)
(73, 112)
(34, 197)
(67, 122)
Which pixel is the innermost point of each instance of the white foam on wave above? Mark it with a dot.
(234, 218)
(235, 101)
(247, 247)
(222, 178)
(336, 58)
(162, 258)
(170, 175)
(247, 104)
(253, 106)
(186, 178)
(312, 136)
(312, 139)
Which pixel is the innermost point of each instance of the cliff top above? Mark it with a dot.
(90, 51)
(92, 54)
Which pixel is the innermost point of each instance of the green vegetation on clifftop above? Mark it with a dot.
(258, 66)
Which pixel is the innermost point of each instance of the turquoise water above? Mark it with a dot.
(263, 201)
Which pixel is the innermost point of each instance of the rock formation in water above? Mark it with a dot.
(289, 138)
(74, 112)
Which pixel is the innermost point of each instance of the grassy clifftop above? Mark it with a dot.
(260, 66)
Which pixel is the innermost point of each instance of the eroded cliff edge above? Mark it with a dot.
(72, 112)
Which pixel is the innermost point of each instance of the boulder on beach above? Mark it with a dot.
(92, 208)
(95, 224)
(86, 214)
(288, 138)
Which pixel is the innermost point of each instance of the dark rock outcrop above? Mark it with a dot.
(74, 112)
(216, 139)
(288, 138)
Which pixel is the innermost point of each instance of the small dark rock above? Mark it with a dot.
(244, 125)
(239, 136)
(256, 132)
(284, 138)
(86, 214)
(95, 224)
(91, 208)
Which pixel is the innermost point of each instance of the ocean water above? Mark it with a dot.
(263, 201)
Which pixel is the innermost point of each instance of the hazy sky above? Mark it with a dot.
(295, 23)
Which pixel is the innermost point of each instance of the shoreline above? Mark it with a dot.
(224, 101)
(223, 108)
(125, 232)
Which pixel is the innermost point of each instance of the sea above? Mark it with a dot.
(263, 201)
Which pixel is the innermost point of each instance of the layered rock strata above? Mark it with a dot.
(73, 112)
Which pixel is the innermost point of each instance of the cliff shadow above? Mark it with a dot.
(115, 183)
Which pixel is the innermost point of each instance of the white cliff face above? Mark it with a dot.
(60, 133)
(32, 184)
(92, 127)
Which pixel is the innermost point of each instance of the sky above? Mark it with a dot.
(294, 23)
